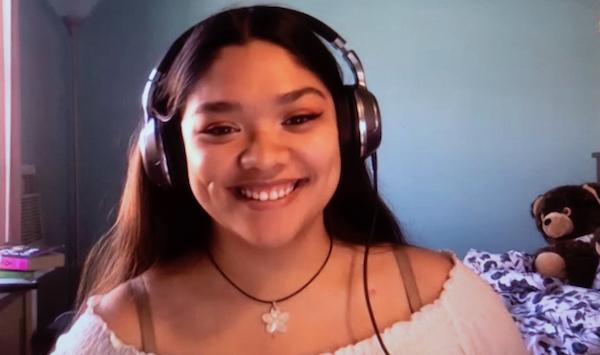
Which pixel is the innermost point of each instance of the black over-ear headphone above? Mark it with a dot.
(158, 158)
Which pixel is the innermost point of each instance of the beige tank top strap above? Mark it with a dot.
(408, 277)
(139, 292)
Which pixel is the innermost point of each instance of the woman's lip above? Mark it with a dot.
(267, 184)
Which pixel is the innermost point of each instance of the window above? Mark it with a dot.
(10, 125)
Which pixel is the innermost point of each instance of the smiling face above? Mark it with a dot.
(261, 143)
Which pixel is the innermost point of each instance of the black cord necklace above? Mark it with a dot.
(276, 319)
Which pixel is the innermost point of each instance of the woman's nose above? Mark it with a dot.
(264, 151)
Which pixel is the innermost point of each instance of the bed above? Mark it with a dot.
(554, 318)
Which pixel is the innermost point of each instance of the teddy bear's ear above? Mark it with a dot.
(536, 205)
(590, 188)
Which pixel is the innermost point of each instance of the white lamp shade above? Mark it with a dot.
(73, 8)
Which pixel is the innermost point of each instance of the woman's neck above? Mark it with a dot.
(271, 272)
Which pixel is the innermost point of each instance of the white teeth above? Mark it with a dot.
(272, 194)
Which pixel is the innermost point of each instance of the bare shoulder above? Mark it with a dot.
(431, 270)
(117, 309)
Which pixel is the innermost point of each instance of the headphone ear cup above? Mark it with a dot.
(368, 120)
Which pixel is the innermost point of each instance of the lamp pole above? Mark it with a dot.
(73, 23)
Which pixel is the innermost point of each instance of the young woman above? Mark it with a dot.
(248, 211)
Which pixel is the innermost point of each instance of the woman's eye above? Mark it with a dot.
(300, 119)
(219, 130)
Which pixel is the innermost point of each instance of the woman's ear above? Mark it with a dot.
(536, 206)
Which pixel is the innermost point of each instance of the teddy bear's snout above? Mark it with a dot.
(557, 225)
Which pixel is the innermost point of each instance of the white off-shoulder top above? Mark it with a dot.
(467, 318)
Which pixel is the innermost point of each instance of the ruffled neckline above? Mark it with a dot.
(388, 334)
(115, 341)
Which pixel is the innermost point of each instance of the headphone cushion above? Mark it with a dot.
(153, 158)
(345, 107)
(174, 151)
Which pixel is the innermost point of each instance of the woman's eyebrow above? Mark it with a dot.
(296, 94)
(229, 106)
(218, 107)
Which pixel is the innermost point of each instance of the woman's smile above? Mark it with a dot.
(267, 195)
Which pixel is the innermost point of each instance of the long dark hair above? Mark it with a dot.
(158, 226)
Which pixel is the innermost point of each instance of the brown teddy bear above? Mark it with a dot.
(567, 216)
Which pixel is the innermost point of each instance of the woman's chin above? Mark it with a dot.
(263, 241)
(273, 233)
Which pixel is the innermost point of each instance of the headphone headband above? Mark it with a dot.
(316, 25)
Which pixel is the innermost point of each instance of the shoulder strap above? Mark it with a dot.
(408, 277)
(142, 304)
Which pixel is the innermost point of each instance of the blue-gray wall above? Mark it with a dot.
(45, 95)
(485, 104)
(46, 135)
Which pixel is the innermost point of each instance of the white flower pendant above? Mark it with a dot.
(276, 320)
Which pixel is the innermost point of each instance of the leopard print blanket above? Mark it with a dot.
(554, 318)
